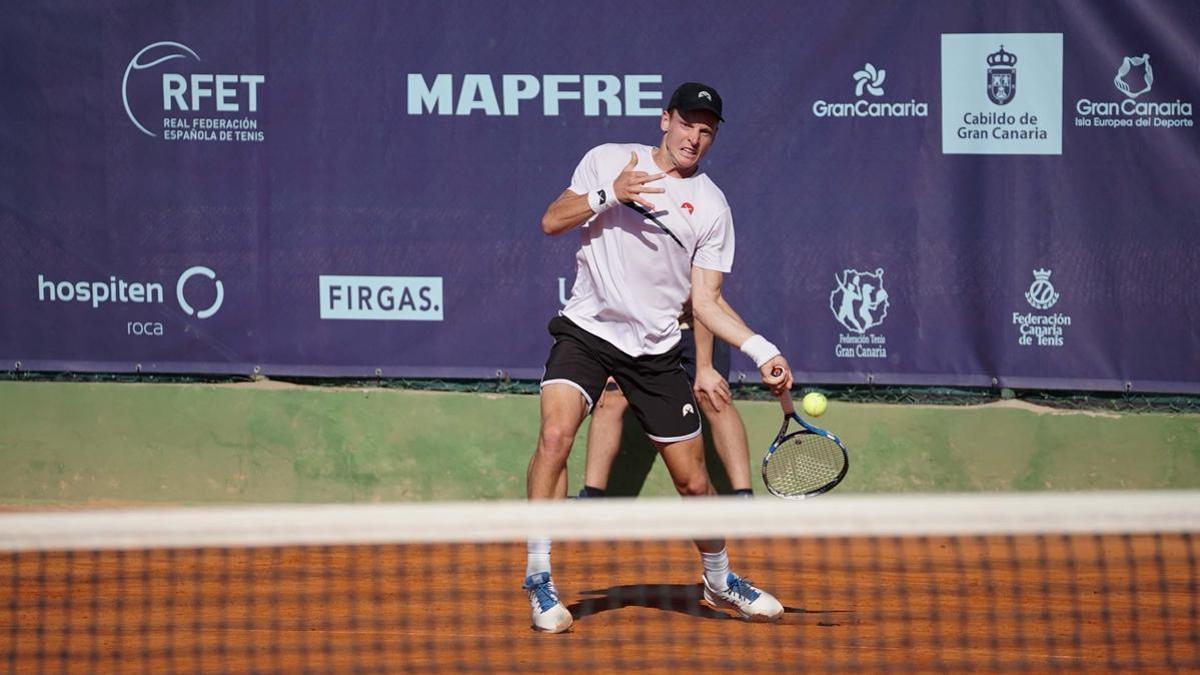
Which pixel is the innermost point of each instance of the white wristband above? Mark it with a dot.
(759, 349)
(602, 199)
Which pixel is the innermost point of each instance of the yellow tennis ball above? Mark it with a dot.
(814, 404)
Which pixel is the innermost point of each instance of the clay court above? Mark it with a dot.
(1084, 603)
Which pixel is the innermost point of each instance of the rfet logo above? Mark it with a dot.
(195, 105)
(688, 206)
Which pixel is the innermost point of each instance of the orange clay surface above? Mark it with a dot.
(1085, 603)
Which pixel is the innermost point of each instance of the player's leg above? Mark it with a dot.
(604, 440)
(728, 431)
(562, 411)
(722, 588)
(560, 486)
(664, 403)
(574, 379)
(729, 436)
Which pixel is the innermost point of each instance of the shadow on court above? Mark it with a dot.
(679, 598)
(637, 456)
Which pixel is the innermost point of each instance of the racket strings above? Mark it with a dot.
(804, 463)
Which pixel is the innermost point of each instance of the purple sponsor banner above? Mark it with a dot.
(924, 192)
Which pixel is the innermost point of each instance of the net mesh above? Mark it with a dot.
(1020, 583)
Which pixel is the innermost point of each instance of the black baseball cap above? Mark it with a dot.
(696, 96)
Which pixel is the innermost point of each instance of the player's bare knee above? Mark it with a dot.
(694, 484)
(555, 442)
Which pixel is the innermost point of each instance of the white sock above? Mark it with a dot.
(716, 568)
(537, 556)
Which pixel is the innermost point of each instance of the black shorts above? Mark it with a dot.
(656, 386)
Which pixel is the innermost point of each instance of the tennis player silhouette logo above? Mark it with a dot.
(1041, 294)
(859, 302)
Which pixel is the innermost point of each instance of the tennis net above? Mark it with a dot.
(1016, 582)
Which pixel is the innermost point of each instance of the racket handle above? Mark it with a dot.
(785, 399)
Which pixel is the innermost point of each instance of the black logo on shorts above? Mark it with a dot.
(603, 198)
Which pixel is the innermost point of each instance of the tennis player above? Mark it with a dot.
(654, 230)
(706, 362)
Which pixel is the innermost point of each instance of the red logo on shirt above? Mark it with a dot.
(689, 207)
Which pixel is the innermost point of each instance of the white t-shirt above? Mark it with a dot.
(631, 278)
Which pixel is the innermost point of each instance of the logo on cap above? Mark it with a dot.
(705, 95)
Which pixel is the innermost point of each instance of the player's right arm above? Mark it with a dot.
(571, 209)
(567, 212)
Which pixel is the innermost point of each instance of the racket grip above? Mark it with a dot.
(785, 399)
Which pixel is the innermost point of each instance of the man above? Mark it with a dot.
(644, 249)
(706, 362)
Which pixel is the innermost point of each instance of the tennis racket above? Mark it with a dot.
(804, 463)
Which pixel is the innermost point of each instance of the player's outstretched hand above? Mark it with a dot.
(631, 184)
(710, 384)
(777, 375)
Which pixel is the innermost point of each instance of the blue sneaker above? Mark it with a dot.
(549, 614)
(751, 604)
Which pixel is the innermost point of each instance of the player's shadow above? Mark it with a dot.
(652, 235)
(636, 457)
(680, 598)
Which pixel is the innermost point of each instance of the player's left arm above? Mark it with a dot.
(710, 309)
